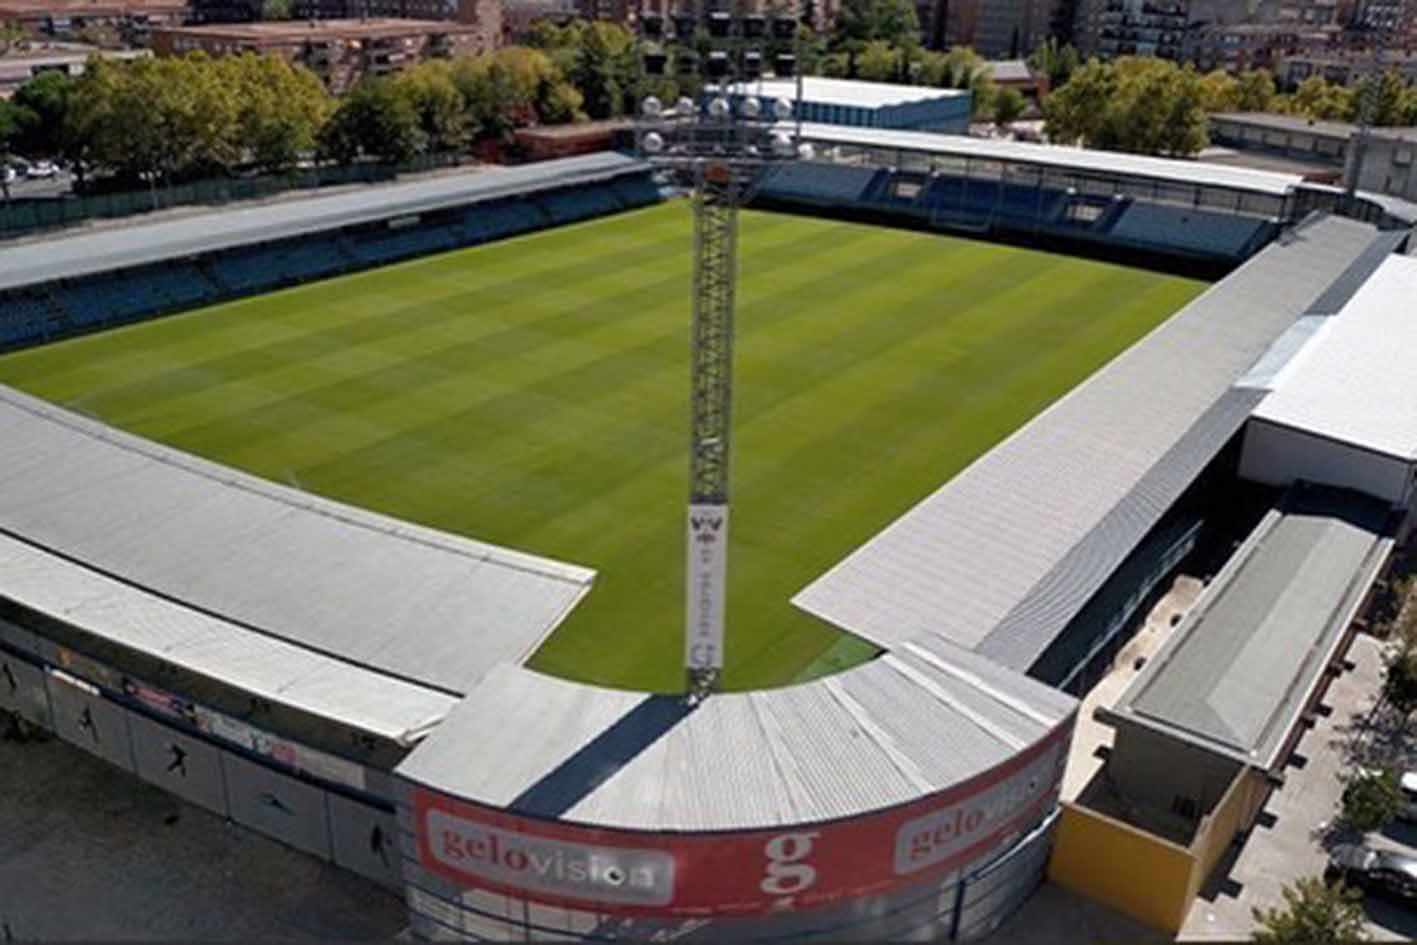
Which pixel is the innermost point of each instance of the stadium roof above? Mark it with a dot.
(852, 92)
(890, 731)
(356, 587)
(1294, 123)
(142, 243)
(1000, 558)
(179, 635)
(1241, 666)
(1067, 159)
(1344, 383)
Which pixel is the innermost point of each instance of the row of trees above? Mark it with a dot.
(161, 120)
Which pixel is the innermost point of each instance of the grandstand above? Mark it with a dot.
(109, 278)
(370, 675)
(1184, 210)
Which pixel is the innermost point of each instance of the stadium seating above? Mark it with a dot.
(252, 268)
(35, 314)
(25, 317)
(493, 221)
(568, 206)
(1189, 231)
(819, 183)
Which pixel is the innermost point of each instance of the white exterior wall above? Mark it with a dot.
(1278, 456)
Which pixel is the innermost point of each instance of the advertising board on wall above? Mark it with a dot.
(742, 872)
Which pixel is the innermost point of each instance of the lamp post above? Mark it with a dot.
(717, 147)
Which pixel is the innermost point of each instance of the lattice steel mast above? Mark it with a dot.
(718, 147)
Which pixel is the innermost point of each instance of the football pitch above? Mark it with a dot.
(534, 393)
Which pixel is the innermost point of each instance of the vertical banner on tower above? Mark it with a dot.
(708, 579)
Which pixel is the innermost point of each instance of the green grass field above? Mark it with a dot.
(533, 393)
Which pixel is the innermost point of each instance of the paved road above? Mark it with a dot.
(90, 853)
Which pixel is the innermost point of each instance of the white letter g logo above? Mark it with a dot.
(787, 875)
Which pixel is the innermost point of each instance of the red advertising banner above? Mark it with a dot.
(738, 873)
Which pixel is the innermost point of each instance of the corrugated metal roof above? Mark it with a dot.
(890, 731)
(263, 666)
(1000, 558)
(406, 601)
(1345, 383)
(68, 257)
(1064, 158)
(1241, 665)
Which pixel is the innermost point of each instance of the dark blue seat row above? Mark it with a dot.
(822, 183)
(568, 206)
(1194, 232)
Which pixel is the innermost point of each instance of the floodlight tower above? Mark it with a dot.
(717, 147)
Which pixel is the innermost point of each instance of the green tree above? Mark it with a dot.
(1009, 105)
(1140, 105)
(1058, 61)
(9, 131)
(44, 104)
(892, 21)
(960, 68)
(442, 112)
(607, 70)
(374, 120)
(280, 108)
(1257, 91)
(1371, 799)
(1314, 913)
(1322, 100)
(11, 37)
(1386, 97)
(275, 9)
(879, 61)
(1220, 91)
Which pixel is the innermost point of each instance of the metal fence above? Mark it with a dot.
(19, 217)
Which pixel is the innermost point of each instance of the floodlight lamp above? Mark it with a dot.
(784, 65)
(684, 26)
(754, 26)
(652, 24)
(684, 108)
(752, 64)
(655, 63)
(750, 107)
(718, 108)
(719, 24)
(784, 27)
(653, 143)
(717, 64)
(782, 108)
(652, 107)
(751, 151)
(806, 152)
(781, 143)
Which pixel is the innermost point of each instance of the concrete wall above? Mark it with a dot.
(1152, 770)
(1279, 456)
(1139, 874)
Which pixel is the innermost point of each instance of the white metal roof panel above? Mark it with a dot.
(1000, 558)
(403, 600)
(1345, 384)
(272, 669)
(1057, 156)
(67, 257)
(851, 92)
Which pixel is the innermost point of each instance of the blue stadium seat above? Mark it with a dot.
(636, 191)
(493, 221)
(25, 317)
(832, 184)
(390, 245)
(568, 206)
(1190, 231)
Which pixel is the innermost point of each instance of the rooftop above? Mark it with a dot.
(68, 257)
(1243, 662)
(1343, 384)
(271, 561)
(998, 560)
(1057, 156)
(1292, 123)
(896, 729)
(853, 92)
(85, 7)
(317, 30)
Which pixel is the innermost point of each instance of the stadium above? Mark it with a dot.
(372, 542)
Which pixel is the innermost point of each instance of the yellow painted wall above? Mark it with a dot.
(1233, 813)
(1144, 876)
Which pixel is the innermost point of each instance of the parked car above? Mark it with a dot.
(1380, 872)
(42, 169)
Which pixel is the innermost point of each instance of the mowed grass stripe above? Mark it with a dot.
(534, 393)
